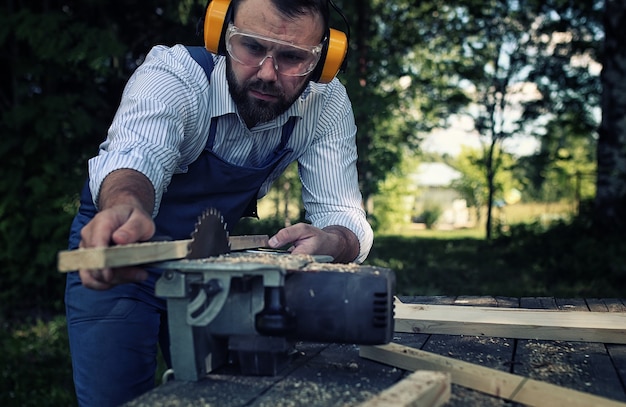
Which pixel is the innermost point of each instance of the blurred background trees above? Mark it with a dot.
(65, 65)
(512, 68)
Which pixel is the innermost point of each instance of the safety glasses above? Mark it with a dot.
(253, 49)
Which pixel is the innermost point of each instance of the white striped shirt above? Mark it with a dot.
(162, 126)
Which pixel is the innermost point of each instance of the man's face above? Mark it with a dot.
(261, 92)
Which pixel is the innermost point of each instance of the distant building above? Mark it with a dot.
(435, 193)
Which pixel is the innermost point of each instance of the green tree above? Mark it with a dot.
(473, 186)
(564, 167)
(286, 195)
(610, 202)
(522, 68)
(395, 200)
(398, 87)
(564, 68)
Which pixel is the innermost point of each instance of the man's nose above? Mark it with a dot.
(268, 69)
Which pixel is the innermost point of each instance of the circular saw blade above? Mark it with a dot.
(209, 237)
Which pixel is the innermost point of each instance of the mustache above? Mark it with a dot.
(264, 87)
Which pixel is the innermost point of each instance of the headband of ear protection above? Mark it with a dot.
(219, 15)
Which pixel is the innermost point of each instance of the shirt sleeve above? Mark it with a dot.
(328, 172)
(157, 112)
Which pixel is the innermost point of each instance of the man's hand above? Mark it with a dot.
(336, 241)
(121, 224)
(126, 201)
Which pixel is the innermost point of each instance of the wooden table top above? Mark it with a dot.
(335, 375)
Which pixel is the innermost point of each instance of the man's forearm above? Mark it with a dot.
(128, 187)
(348, 243)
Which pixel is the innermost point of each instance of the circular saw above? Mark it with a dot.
(209, 237)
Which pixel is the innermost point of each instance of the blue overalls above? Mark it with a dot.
(114, 334)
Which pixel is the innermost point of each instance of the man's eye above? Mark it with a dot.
(254, 47)
(292, 57)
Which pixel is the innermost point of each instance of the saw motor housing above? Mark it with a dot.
(251, 309)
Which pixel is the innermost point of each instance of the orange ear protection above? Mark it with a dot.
(219, 15)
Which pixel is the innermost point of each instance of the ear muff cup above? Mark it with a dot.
(219, 15)
(333, 57)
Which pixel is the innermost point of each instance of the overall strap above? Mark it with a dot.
(287, 130)
(203, 58)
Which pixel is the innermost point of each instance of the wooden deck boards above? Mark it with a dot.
(334, 375)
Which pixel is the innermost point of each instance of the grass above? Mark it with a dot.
(418, 231)
(35, 365)
(447, 266)
(564, 261)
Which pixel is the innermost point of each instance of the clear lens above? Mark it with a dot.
(252, 50)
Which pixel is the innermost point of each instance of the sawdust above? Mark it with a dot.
(284, 261)
(349, 268)
(294, 262)
(298, 393)
(553, 362)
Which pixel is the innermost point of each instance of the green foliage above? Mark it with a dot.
(252, 226)
(474, 185)
(285, 194)
(65, 67)
(570, 258)
(431, 215)
(565, 165)
(428, 266)
(393, 204)
(49, 114)
(396, 91)
(35, 365)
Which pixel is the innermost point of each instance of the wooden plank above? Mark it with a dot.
(511, 323)
(122, 255)
(422, 388)
(248, 242)
(141, 253)
(427, 299)
(494, 382)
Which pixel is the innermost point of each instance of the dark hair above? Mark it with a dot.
(296, 8)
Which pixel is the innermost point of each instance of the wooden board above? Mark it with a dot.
(494, 382)
(141, 253)
(605, 327)
(422, 388)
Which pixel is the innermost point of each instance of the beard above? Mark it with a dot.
(254, 111)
